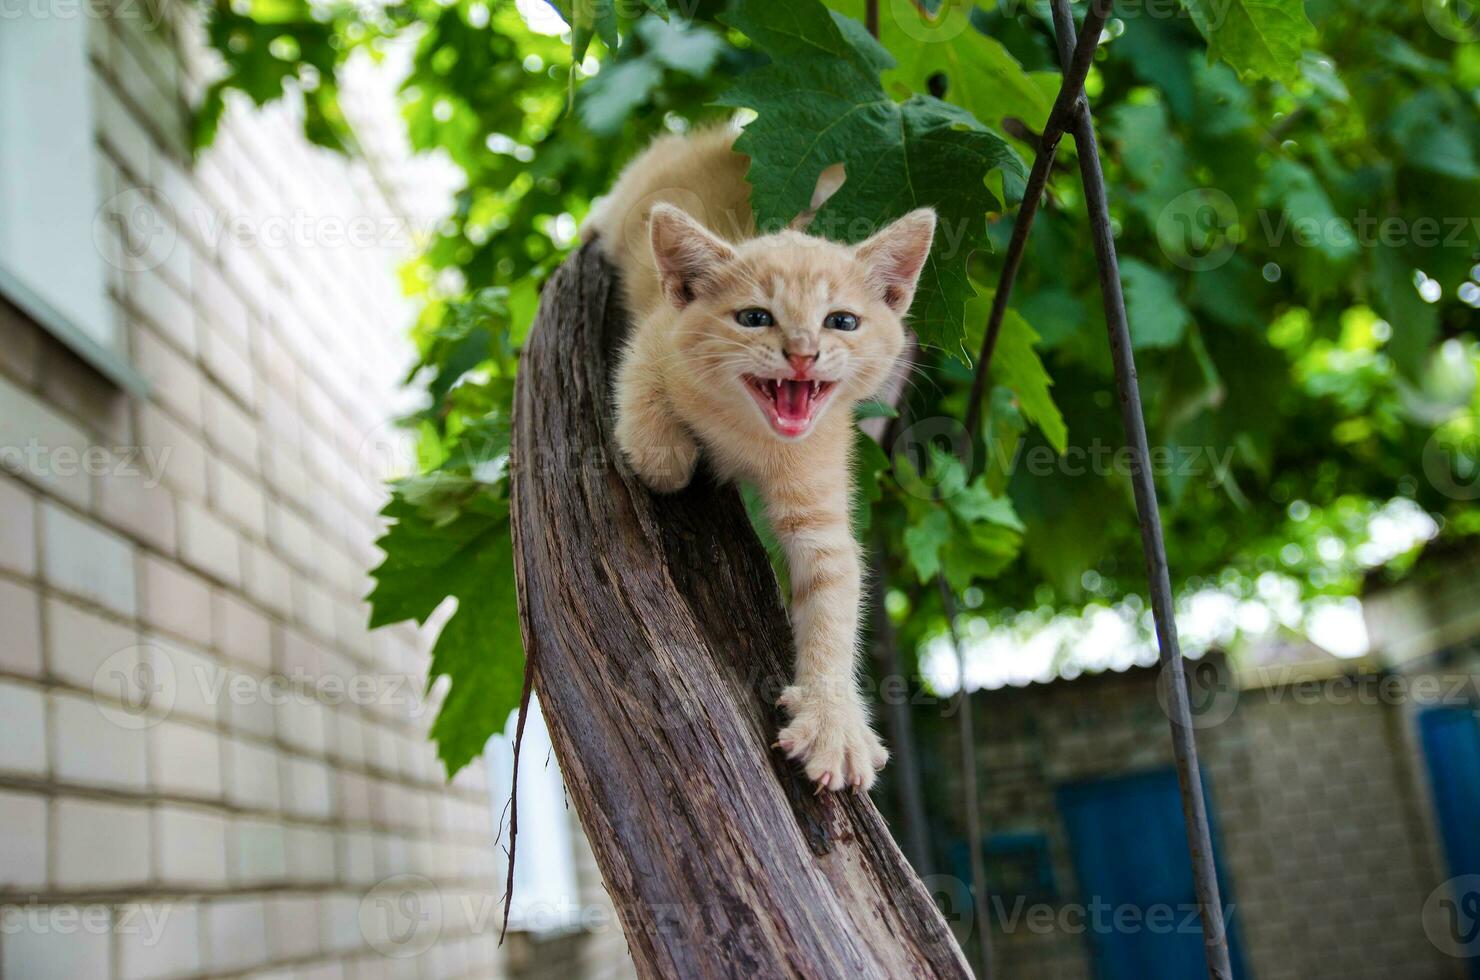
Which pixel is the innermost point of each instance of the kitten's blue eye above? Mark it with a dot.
(841, 321)
(754, 317)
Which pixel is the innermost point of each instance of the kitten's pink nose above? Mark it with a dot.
(802, 363)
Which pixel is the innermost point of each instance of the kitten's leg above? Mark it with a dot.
(655, 442)
(829, 729)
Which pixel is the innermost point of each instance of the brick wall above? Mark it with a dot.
(1324, 831)
(1322, 839)
(210, 767)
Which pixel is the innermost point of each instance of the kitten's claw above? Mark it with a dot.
(832, 740)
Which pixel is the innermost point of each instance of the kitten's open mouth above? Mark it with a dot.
(790, 404)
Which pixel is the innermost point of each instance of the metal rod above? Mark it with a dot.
(1065, 109)
(1194, 806)
(980, 899)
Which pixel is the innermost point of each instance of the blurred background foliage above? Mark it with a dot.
(1296, 196)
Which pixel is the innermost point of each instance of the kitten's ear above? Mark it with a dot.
(896, 255)
(686, 253)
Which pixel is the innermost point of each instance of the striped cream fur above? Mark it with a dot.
(694, 378)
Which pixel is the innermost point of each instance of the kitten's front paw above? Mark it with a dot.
(830, 736)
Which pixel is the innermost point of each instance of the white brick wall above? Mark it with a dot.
(86, 560)
(176, 800)
(237, 929)
(23, 749)
(190, 847)
(80, 641)
(20, 642)
(258, 852)
(25, 417)
(92, 750)
(55, 942)
(185, 760)
(23, 845)
(101, 845)
(159, 940)
(18, 530)
(174, 600)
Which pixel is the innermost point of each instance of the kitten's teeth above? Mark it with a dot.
(815, 386)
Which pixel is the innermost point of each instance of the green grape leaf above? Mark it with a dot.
(469, 558)
(1055, 313)
(1157, 316)
(1153, 156)
(982, 552)
(1002, 439)
(1159, 53)
(1223, 101)
(1229, 294)
(982, 77)
(1259, 38)
(1016, 365)
(680, 45)
(875, 410)
(923, 541)
(869, 460)
(1431, 128)
(588, 19)
(607, 100)
(818, 103)
(1415, 323)
(977, 503)
(1309, 210)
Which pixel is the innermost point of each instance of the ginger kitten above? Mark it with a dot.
(754, 351)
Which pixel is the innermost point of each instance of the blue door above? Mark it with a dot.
(1451, 747)
(1129, 845)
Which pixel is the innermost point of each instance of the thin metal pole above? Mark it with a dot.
(980, 899)
(1063, 113)
(1065, 108)
(1194, 806)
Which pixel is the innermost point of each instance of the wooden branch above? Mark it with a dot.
(659, 643)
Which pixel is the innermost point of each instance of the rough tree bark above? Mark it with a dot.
(658, 642)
